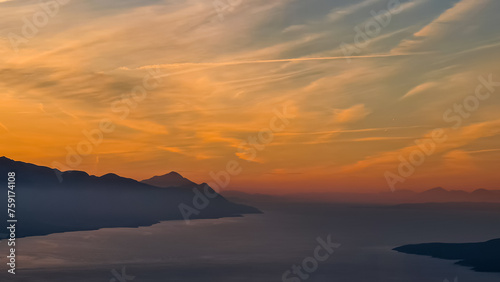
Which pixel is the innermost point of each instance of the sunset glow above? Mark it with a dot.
(174, 85)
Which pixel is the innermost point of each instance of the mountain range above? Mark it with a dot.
(50, 201)
(435, 195)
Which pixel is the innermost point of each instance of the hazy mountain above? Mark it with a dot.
(172, 179)
(435, 195)
(483, 257)
(50, 201)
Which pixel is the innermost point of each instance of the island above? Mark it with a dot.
(481, 257)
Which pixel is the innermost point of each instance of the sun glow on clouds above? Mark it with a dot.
(222, 81)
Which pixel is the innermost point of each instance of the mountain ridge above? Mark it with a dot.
(434, 195)
(50, 201)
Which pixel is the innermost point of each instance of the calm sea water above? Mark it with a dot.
(262, 247)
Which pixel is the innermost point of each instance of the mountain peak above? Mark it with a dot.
(435, 190)
(111, 176)
(4, 158)
(171, 179)
(173, 173)
(482, 191)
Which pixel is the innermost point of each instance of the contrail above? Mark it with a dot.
(4, 127)
(270, 61)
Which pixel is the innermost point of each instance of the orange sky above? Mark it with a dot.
(274, 67)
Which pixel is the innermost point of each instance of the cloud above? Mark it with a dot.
(461, 11)
(339, 13)
(384, 138)
(4, 127)
(222, 81)
(187, 152)
(352, 114)
(455, 19)
(483, 151)
(294, 28)
(424, 87)
(455, 140)
(459, 160)
(305, 59)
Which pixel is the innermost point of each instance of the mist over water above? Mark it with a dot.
(263, 247)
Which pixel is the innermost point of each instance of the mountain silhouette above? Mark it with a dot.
(172, 179)
(435, 195)
(50, 201)
(482, 257)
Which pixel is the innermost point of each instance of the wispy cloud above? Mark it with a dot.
(455, 140)
(456, 17)
(420, 89)
(221, 83)
(352, 114)
(274, 61)
(4, 127)
(341, 12)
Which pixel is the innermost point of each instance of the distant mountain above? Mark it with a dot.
(50, 201)
(435, 195)
(442, 195)
(246, 198)
(482, 257)
(172, 179)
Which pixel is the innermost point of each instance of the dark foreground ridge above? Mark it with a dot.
(482, 257)
(49, 201)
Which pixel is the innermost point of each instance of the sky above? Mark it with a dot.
(282, 96)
